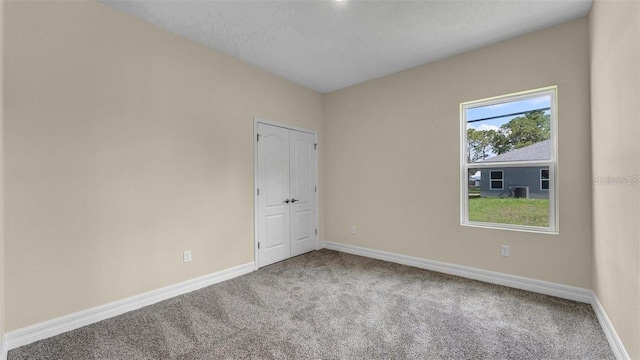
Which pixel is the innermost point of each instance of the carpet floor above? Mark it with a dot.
(331, 305)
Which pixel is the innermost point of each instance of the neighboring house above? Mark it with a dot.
(527, 182)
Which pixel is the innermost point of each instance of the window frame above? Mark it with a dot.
(551, 164)
(491, 180)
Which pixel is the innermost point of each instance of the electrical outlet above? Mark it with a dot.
(186, 256)
(504, 250)
(353, 229)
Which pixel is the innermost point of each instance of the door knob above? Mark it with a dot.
(294, 200)
(286, 201)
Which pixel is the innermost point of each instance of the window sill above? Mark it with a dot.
(530, 229)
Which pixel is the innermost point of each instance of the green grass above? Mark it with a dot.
(530, 212)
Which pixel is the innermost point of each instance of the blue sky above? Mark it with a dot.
(501, 109)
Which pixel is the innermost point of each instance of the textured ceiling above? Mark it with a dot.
(329, 45)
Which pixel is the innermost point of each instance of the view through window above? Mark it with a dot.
(509, 161)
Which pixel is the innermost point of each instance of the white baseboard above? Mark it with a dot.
(607, 327)
(43, 330)
(518, 282)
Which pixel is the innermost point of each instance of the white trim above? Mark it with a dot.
(255, 192)
(521, 228)
(510, 164)
(614, 341)
(518, 282)
(46, 329)
(256, 121)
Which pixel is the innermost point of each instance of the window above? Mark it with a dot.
(544, 179)
(497, 180)
(508, 161)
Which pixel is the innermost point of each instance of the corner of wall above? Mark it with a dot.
(2, 352)
(593, 256)
(614, 52)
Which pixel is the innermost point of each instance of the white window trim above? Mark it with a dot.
(551, 164)
(543, 180)
(491, 180)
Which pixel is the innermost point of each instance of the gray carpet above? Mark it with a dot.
(330, 305)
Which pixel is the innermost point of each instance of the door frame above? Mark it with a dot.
(256, 121)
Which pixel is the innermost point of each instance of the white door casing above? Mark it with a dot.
(286, 192)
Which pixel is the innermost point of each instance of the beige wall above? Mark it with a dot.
(2, 319)
(125, 145)
(615, 121)
(393, 158)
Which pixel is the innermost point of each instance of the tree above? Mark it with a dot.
(525, 130)
(500, 143)
(478, 144)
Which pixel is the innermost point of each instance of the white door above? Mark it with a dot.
(302, 189)
(274, 227)
(286, 194)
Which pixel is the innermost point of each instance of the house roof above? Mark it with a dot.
(538, 151)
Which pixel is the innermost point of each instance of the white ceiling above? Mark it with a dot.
(328, 45)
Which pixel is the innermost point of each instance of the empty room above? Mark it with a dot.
(325, 179)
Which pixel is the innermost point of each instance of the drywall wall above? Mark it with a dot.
(2, 318)
(615, 120)
(392, 155)
(125, 145)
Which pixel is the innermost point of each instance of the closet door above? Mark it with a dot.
(302, 188)
(274, 225)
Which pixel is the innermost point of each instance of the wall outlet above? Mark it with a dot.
(353, 229)
(186, 256)
(504, 250)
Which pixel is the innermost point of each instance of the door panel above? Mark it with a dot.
(276, 154)
(275, 231)
(274, 217)
(304, 224)
(303, 190)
